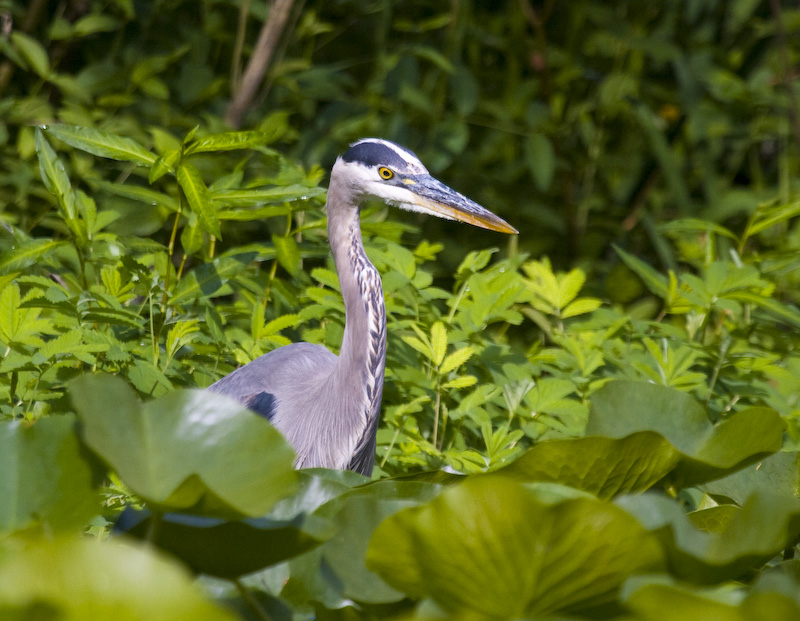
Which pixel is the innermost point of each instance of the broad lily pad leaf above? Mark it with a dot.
(491, 547)
(765, 525)
(218, 547)
(604, 467)
(709, 451)
(336, 571)
(229, 549)
(187, 448)
(84, 579)
(659, 598)
(778, 474)
(45, 476)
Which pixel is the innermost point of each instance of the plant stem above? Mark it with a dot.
(170, 251)
(391, 446)
(436, 415)
(251, 601)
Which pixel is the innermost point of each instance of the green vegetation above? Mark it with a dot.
(597, 419)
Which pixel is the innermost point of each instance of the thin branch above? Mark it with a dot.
(236, 61)
(262, 54)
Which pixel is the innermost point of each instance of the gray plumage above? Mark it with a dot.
(328, 406)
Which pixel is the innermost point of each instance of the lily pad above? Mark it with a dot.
(604, 467)
(709, 451)
(232, 548)
(659, 598)
(491, 547)
(218, 547)
(85, 579)
(778, 474)
(45, 476)
(742, 540)
(336, 571)
(189, 448)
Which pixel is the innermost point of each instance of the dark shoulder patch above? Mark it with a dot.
(374, 153)
(262, 403)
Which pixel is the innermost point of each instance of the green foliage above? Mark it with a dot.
(608, 431)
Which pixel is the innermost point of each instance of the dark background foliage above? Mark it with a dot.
(163, 221)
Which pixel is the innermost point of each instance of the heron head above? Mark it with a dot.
(381, 169)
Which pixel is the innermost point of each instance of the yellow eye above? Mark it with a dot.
(385, 173)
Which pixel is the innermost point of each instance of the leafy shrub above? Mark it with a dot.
(596, 434)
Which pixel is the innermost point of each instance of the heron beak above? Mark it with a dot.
(433, 196)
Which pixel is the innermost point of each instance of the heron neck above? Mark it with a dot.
(363, 353)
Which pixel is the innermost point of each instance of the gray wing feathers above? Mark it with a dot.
(274, 381)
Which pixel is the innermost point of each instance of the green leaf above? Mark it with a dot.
(465, 381)
(438, 342)
(27, 253)
(581, 306)
(654, 281)
(19, 325)
(456, 359)
(261, 196)
(287, 252)
(32, 51)
(102, 143)
(782, 311)
(180, 335)
(659, 598)
(541, 160)
(163, 164)
(765, 525)
(417, 344)
(766, 217)
(693, 225)
(228, 141)
(54, 175)
(45, 477)
(116, 580)
(207, 279)
(198, 197)
(778, 474)
(281, 323)
(94, 22)
(353, 517)
(601, 466)
(218, 547)
(186, 447)
(141, 194)
(492, 548)
(709, 451)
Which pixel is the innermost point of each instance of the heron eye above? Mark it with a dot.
(385, 173)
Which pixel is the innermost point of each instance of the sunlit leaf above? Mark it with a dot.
(101, 143)
(438, 342)
(45, 478)
(186, 448)
(228, 141)
(116, 580)
(198, 197)
(491, 547)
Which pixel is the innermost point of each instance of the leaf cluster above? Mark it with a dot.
(607, 431)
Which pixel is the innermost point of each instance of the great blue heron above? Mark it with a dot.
(327, 406)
